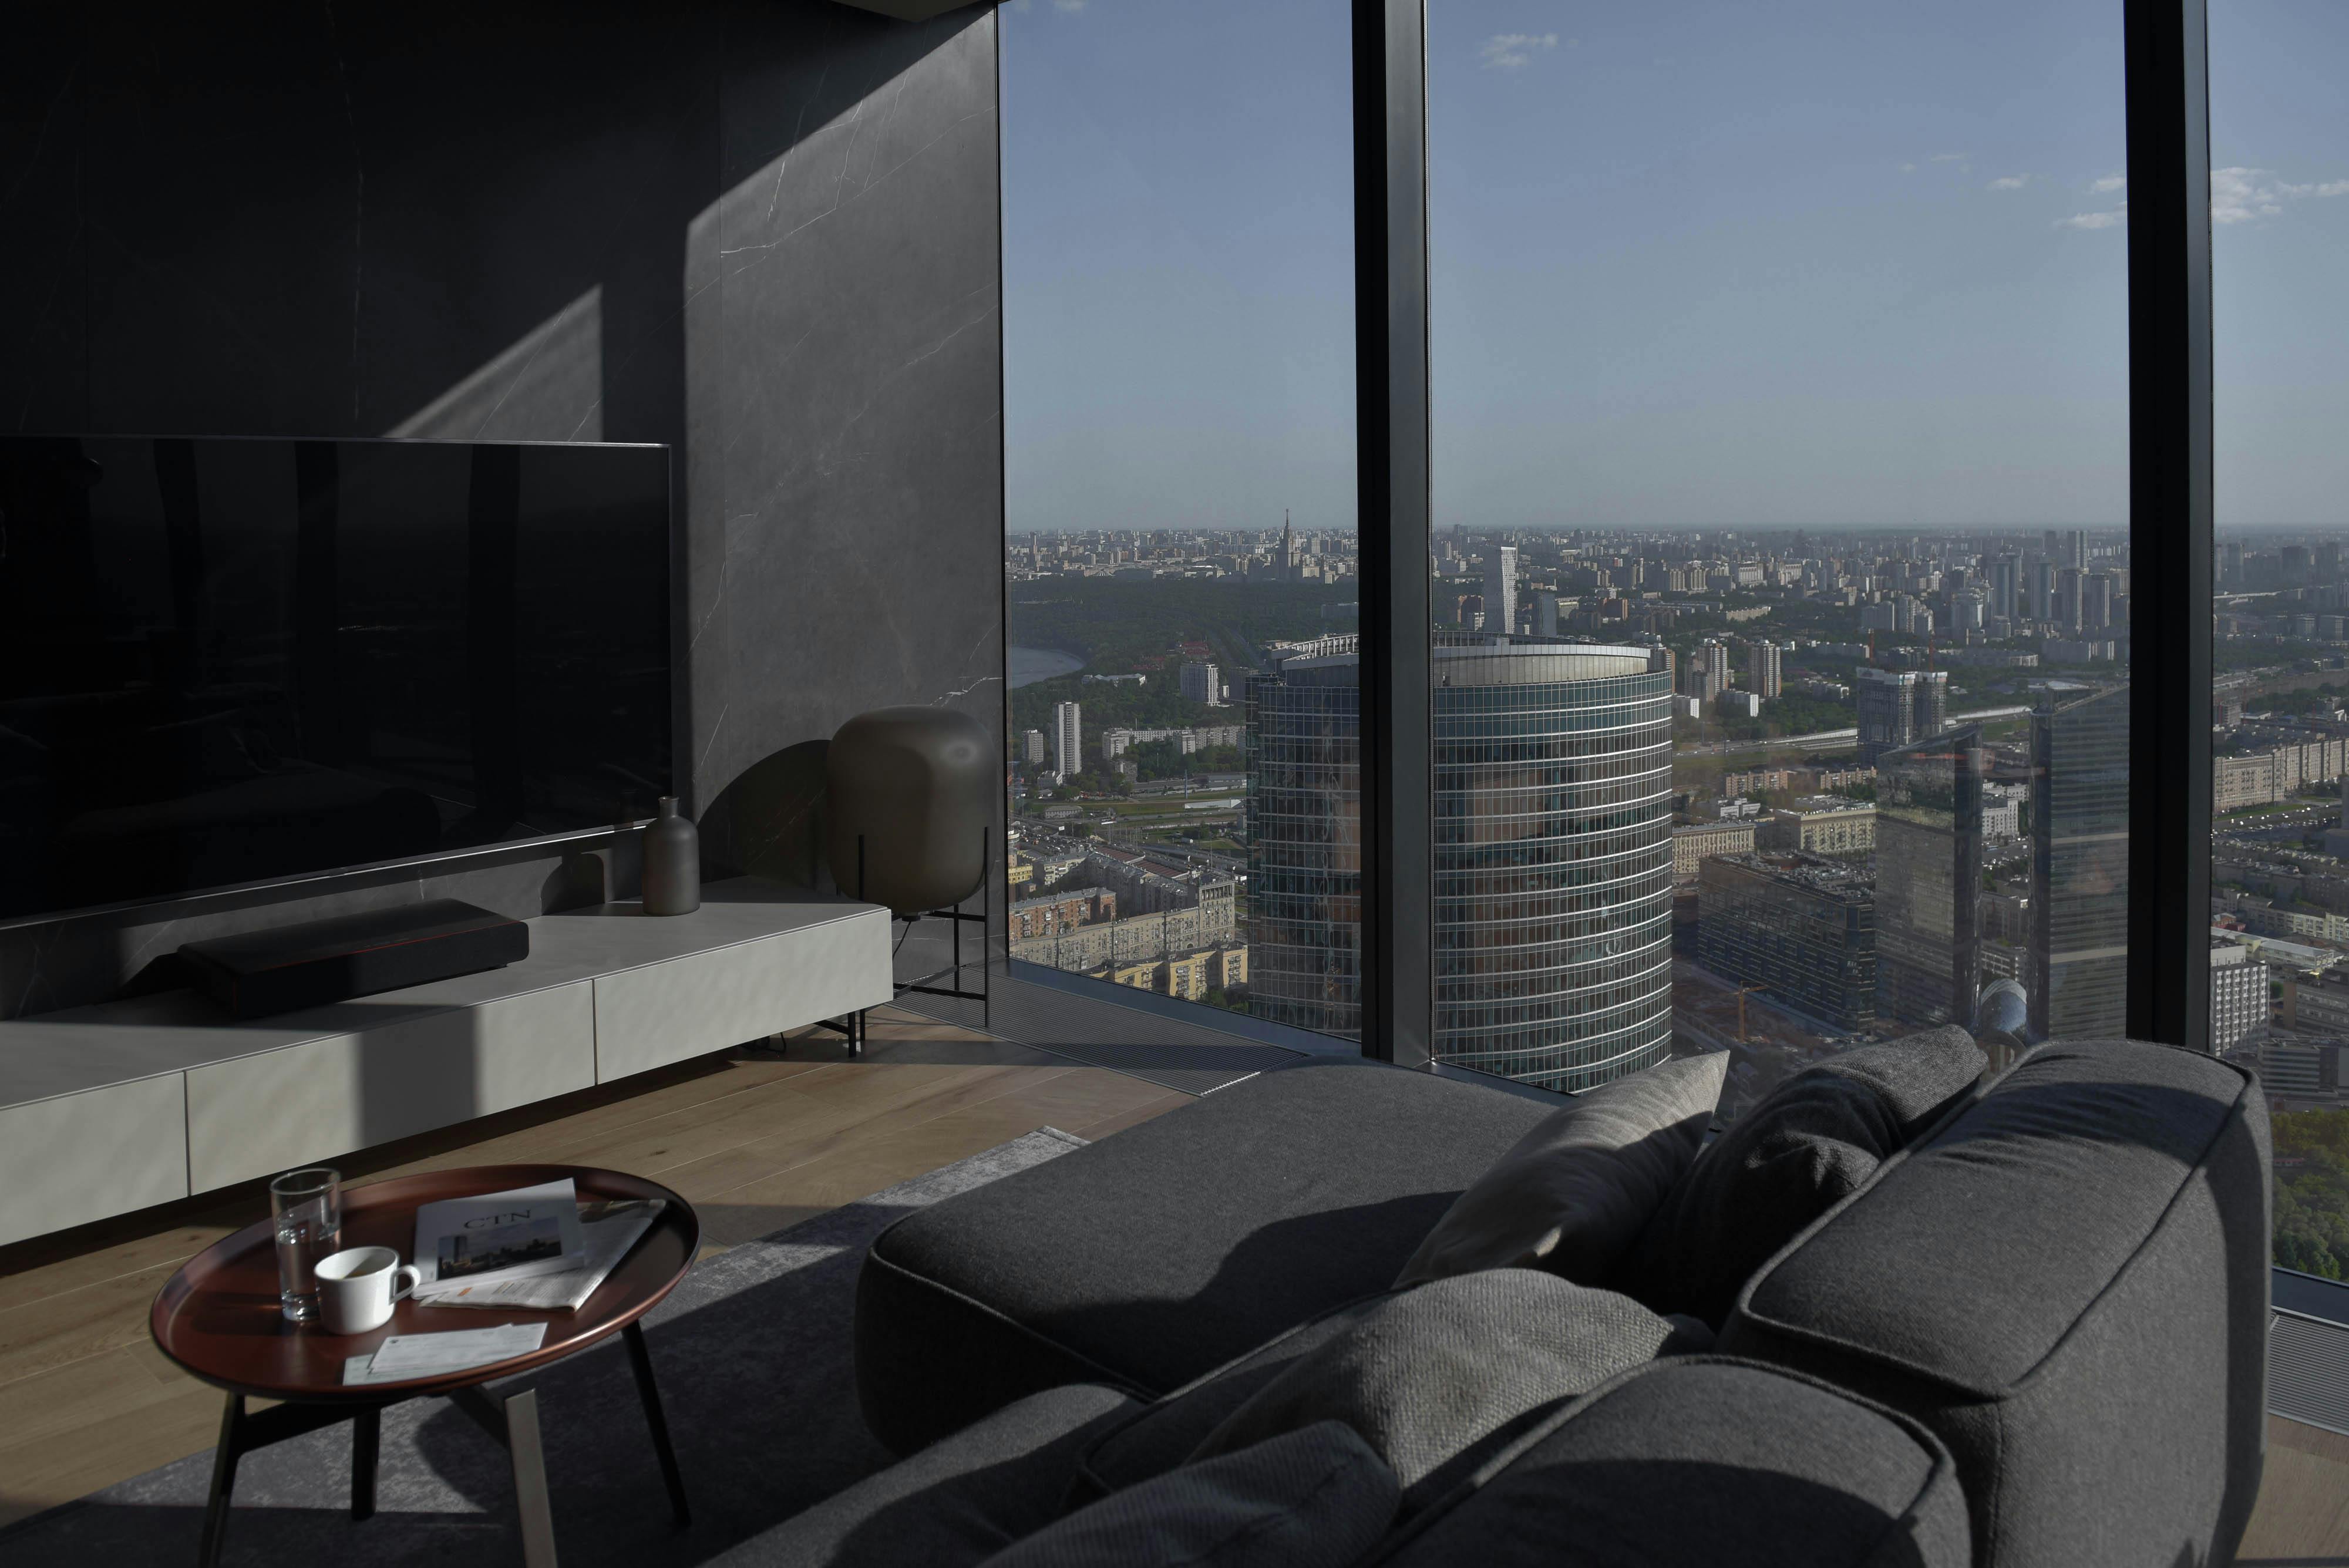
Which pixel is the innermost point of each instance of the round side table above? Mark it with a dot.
(219, 1318)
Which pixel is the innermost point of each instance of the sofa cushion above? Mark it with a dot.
(1154, 1256)
(1701, 1462)
(1151, 1440)
(1808, 1145)
(1575, 1192)
(2068, 1283)
(1434, 1376)
(956, 1502)
(1314, 1497)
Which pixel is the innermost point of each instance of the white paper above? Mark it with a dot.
(407, 1355)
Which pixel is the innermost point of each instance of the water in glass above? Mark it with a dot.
(306, 1207)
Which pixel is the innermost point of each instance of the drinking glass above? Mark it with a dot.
(308, 1207)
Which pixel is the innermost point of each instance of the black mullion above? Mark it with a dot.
(1392, 436)
(2169, 520)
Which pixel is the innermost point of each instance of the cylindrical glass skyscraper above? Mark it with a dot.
(1552, 845)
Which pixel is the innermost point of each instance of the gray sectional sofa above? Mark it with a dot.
(2033, 1338)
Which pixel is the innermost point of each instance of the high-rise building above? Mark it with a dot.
(2079, 867)
(1708, 670)
(2067, 598)
(1201, 683)
(2043, 590)
(2238, 992)
(1897, 706)
(2095, 601)
(2005, 577)
(1929, 805)
(1501, 589)
(1031, 748)
(2075, 547)
(1800, 928)
(1068, 740)
(1553, 854)
(1763, 676)
(1545, 615)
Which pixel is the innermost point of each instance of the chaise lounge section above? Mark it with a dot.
(2033, 1338)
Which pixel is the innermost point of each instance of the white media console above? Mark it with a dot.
(112, 1108)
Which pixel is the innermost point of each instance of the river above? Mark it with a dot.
(1030, 665)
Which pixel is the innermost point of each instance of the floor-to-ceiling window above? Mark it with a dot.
(1180, 496)
(2279, 841)
(1781, 557)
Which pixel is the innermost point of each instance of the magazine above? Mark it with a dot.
(608, 1231)
(498, 1236)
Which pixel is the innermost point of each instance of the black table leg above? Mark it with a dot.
(367, 1439)
(243, 1431)
(640, 1357)
(224, 1457)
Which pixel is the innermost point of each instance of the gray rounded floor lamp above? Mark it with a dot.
(909, 796)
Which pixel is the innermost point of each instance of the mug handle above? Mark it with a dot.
(404, 1281)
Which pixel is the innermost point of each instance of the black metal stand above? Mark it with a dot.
(853, 1026)
(511, 1417)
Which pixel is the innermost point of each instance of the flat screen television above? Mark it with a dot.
(235, 661)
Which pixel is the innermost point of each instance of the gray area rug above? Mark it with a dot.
(753, 1352)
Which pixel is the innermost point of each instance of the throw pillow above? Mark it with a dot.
(1434, 1377)
(1811, 1143)
(1317, 1498)
(1574, 1193)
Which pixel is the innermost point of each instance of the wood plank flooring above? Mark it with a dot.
(756, 1140)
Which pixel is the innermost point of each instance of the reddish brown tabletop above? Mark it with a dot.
(218, 1317)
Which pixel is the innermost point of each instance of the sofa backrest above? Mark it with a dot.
(1702, 1462)
(2068, 1281)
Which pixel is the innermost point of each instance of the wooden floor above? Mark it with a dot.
(756, 1141)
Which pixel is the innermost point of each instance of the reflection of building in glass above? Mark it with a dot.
(1552, 846)
(1800, 928)
(1929, 803)
(1897, 706)
(2079, 867)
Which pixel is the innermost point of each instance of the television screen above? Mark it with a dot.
(225, 662)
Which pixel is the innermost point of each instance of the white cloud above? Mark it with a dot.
(2240, 195)
(2111, 220)
(2010, 183)
(2108, 184)
(1907, 169)
(1508, 51)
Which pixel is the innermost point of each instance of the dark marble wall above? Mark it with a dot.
(764, 232)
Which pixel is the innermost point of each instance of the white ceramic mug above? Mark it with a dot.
(356, 1288)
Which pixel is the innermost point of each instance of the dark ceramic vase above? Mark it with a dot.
(672, 862)
(916, 786)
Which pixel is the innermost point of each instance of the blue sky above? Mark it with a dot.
(1810, 263)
